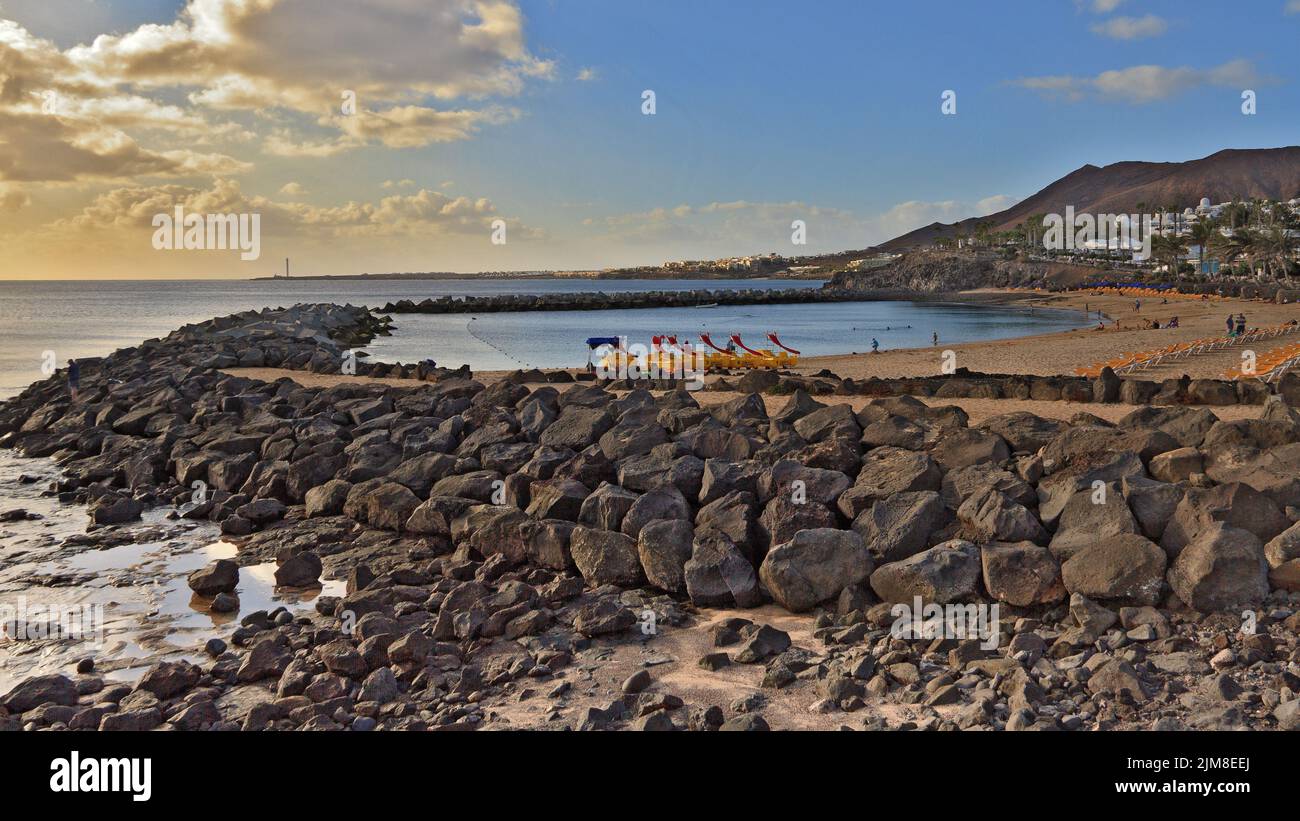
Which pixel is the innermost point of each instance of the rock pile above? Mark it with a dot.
(601, 301)
(492, 534)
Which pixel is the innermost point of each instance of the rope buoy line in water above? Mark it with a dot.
(469, 328)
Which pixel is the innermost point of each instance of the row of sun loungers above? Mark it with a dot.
(1145, 360)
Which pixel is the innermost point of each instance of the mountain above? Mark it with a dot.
(1266, 173)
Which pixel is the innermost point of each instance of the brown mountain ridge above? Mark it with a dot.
(1246, 173)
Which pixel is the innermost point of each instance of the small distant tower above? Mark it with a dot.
(286, 267)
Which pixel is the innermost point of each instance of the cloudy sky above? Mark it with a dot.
(392, 135)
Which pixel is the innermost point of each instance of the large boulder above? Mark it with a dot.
(1187, 425)
(1021, 574)
(1153, 503)
(945, 573)
(1273, 470)
(327, 499)
(814, 566)
(735, 515)
(722, 477)
(577, 427)
(422, 472)
(631, 438)
(1176, 465)
(429, 519)
(222, 576)
(38, 690)
(1222, 568)
(962, 483)
(836, 421)
(719, 575)
(483, 485)
(900, 526)
(782, 518)
(605, 508)
(893, 431)
(660, 503)
(1283, 556)
(801, 483)
(299, 570)
(1236, 505)
(557, 499)
(1125, 568)
(114, 509)
(970, 446)
(886, 471)
(991, 516)
(493, 530)
(605, 557)
(664, 547)
(1091, 516)
(390, 505)
(1023, 432)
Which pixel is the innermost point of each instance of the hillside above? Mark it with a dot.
(1266, 173)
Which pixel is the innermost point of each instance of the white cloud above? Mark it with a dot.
(1292, 7)
(587, 75)
(292, 189)
(421, 213)
(1131, 28)
(138, 103)
(1144, 84)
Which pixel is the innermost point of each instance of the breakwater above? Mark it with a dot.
(599, 301)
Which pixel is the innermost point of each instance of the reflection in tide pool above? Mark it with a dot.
(148, 611)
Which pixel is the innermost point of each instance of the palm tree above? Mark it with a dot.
(1277, 247)
(1203, 233)
(1168, 248)
(1243, 244)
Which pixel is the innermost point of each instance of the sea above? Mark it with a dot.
(60, 320)
(129, 606)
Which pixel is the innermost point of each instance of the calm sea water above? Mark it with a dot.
(77, 319)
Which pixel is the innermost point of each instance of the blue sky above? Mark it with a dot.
(766, 112)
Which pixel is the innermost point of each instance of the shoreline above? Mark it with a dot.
(494, 547)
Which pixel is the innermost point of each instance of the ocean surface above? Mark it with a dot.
(92, 318)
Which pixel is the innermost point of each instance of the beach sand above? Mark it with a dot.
(1061, 353)
(1042, 355)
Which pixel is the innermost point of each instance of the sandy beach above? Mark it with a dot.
(1042, 355)
(1061, 353)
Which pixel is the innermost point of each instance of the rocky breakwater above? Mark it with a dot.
(502, 546)
(1106, 388)
(600, 301)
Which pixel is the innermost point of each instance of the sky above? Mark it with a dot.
(492, 135)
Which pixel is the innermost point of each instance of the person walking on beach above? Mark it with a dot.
(934, 337)
(1137, 306)
(74, 378)
(1229, 324)
(875, 345)
(1241, 324)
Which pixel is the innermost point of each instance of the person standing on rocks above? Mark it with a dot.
(74, 378)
